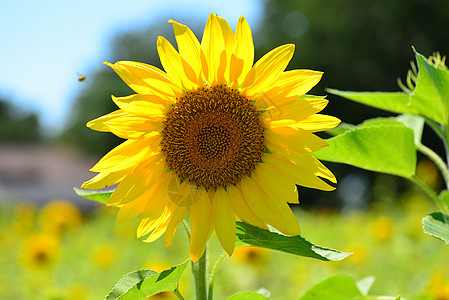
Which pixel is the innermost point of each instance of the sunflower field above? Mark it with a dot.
(59, 252)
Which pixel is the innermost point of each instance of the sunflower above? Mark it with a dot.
(213, 137)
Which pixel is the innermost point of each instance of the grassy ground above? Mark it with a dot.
(56, 252)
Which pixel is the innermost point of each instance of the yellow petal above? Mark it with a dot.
(160, 226)
(139, 181)
(126, 155)
(178, 214)
(267, 69)
(224, 220)
(243, 58)
(217, 45)
(311, 164)
(133, 127)
(129, 211)
(143, 105)
(276, 182)
(272, 211)
(104, 179)
(201, 221)
(294, 139)
(293, 110)
(298, 82)
(146, 79)
(317, 122)
(241, 208)
(302, 172)
(174, 65)
(98, 123)
(156, 201)
(188, 46)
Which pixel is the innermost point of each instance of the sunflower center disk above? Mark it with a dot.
(213, 137)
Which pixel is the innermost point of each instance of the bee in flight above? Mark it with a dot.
(81, 78)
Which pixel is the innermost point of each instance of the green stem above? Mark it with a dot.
(213, 274)
(446, 146)
(199, 276)
(178, 294)
(436, 127)
(436, 159)
(430, 193)
(187, 228)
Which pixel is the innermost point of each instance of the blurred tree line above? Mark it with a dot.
(361, 45)
(17, 126)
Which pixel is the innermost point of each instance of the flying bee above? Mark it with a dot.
(81, 78)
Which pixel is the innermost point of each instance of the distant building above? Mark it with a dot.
(41, 173)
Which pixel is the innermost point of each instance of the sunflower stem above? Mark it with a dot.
(437, 161)
(431, 193)
(178, 294)
(213, 274)
(199, 276)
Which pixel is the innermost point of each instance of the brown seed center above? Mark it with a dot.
(213, 136)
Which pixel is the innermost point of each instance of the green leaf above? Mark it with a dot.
(340, 129)
(364, 285)
(416, 123)
(382, 145)
(248, 235)
(247, 296)
(143, 283)
(101, 196)
(431, 95)
(339, 287)
(397, 102)
(437, 224)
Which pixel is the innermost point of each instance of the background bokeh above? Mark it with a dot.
(45, 148)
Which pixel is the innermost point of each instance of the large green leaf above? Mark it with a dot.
(247, 296)
(416, 123)
(431, 95)
(397, 102)
(248, 235)
(101, 196)
(339, 287)
(437, 224)
(365, 284)
(141, 284)
(382, 145)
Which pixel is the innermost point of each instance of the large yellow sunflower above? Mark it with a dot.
(214, 137)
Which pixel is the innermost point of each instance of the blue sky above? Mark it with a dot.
(45, 45)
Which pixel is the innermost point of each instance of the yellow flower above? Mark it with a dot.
(39, 250)
(251, 255)
(104, 255)
(60, 215)
(214, 137)
(382, 229)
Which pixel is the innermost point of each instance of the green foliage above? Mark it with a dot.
(342, 287)
(248, 235)
(16, 125)
(431, 95)
(248, 296)
(339, 287)
(145, 283)
(397, 102)
(381, 145)
(100, 196)
(437, 224)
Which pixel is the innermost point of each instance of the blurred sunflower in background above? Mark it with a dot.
(39, 250)
(59, 215)
(214, 137)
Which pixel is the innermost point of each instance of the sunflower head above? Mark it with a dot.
(213, 136)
